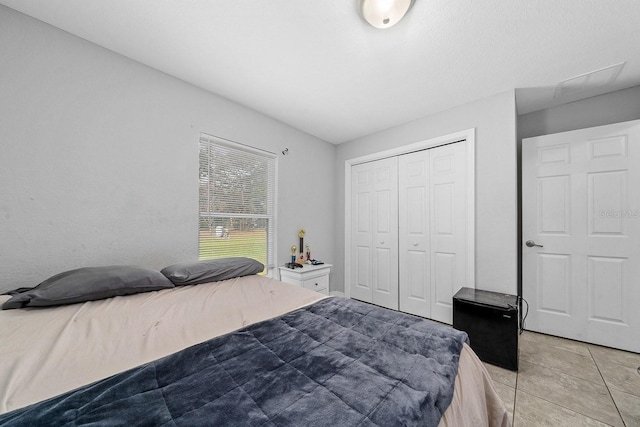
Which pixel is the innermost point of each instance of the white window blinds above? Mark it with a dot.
(237, 201)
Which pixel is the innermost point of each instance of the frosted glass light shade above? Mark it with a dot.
(384, 13)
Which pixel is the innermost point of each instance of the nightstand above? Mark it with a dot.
(314, 277)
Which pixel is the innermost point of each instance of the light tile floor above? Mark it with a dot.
(569, 383)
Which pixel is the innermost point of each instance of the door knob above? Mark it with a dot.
(531, 243)
(415, 244)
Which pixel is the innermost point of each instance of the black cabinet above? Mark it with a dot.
(491, 321)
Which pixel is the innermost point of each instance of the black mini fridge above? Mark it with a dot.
(491, 321)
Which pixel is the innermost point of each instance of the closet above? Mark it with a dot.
(409, 230)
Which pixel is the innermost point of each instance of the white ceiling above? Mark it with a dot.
(317, 66)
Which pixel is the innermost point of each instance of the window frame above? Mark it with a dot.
(271, 195)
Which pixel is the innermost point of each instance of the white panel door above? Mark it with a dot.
(374, 276)
(414, 233)
(581, 204)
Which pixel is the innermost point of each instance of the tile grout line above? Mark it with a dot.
(579, 378)
(571, 410)
(590, 356)
(532, 362)
(595, 361)
(515, 393)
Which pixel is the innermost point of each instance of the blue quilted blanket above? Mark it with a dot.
(337, 362)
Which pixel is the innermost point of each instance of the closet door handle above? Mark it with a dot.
(415, 244)
(382, 242)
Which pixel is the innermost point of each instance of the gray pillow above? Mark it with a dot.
(89, 283)
(213, 270)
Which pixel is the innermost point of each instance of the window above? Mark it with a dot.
(237, 201)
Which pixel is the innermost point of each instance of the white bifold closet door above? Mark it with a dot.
(408, 231)
(432, 230)
(374, 227)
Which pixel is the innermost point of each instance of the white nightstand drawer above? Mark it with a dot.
(318, 284)
(313, 277)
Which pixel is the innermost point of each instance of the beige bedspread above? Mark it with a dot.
(45, 352)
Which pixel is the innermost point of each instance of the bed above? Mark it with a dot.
(111, 361)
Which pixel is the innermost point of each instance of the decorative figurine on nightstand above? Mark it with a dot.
(294, 261)
(308, 254)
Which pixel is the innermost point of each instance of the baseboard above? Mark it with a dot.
(337, 294)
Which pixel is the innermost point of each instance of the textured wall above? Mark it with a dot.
(99, 159)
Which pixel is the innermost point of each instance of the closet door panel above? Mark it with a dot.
(444, 274)
(374, 224)
(362, 271)
(385, 235)
(448, 224)
(361, 232)
(382, 274)
(414, 234)
(444, 217)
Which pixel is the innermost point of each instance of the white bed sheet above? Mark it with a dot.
(46, 352)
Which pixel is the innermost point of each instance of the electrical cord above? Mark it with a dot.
(523, 323)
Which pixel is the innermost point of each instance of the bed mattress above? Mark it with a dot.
(46, 352)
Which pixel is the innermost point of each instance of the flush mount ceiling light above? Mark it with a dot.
(384, 13)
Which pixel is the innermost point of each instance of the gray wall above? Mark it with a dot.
(494, 120)
(99, 159)
(614, 107)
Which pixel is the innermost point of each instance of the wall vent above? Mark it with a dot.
(588, 81)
